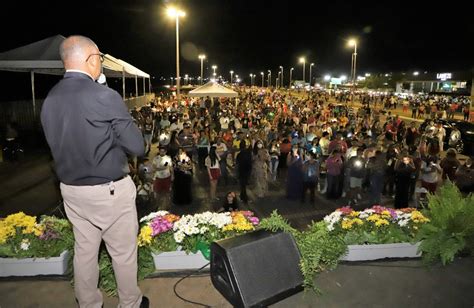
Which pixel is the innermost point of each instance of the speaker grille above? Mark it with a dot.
(262, 266)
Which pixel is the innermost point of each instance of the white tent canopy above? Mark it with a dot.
(43, 57)
(212, 89)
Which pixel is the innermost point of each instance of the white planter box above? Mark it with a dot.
(179, 260)
(34, 266)
(381, 251)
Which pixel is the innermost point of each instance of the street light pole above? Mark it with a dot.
(231, 74)
(303, 60)
(261, 73)
(175, 13)
(310, 66)
(353, 42)
(214, 68)
(269, 78)
(202, 57)
(291, 76)
(281, 80)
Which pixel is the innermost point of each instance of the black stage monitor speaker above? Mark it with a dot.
(256, 269)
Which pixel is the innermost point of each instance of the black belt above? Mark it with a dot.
(120, 178)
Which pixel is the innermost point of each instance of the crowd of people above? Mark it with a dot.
(311, 142)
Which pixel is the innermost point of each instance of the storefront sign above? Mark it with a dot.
(443, 76)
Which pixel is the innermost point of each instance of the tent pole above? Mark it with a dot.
(149, 85)
(123, 84)
(144, 92)
(136, 86)
(32, 75)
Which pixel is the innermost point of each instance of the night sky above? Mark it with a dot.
(254, 36)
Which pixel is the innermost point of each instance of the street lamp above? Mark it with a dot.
(202, 57)
(251, 79)
(231, 73)
(269, 78)
(303, 60)
(261, 73)
(353, 42)
(310, 66)
(281, 80)
(291, 75)
(176, 13)
(186, 79)
(214, 68)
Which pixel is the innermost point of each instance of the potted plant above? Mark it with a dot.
(378, 232)
(29, 248)
(183, 242)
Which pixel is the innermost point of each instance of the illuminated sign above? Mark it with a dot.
(443, 76)
(336, 81)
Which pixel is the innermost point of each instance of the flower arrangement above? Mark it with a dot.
(377, 225)
(21, 236)
(162, 231)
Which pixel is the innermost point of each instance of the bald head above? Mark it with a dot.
(76, 51)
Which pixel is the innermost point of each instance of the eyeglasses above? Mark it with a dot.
(101, 55)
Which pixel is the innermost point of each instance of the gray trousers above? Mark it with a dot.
(98, 215)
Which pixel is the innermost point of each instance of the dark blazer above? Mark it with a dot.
(89, 131)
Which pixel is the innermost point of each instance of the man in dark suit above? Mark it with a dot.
(90, 133)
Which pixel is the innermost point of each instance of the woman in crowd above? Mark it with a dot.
(274, 158)
(334, 166)
(213, 170)
(450, 165)
(404, 169)
(183, 178)
(294, 180)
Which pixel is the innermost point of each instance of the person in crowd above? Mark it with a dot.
(335, 167)
(202, 149)
(183, 178)
(244, 169)
(274, 158)
(450, 165)
(173, 145)
(213, 170)
(376, 166)
(404, 169)
(260, 168)
(231, 203)
(357, 173)
(90, 132)
(222, 151)
(163, 177)
(294, 180)
(148, 129)
(464, 177)
(311, 170)
(430, 173)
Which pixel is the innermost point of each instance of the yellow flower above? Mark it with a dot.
(144, 238)
(373, 217)
(347, 223)
(239, 223)
(358, 221)
(381, 222)
(418, 217)
(354, 214)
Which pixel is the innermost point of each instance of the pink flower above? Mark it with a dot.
(159, 225)
(346, 210)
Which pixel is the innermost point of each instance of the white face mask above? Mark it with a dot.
(259, 145)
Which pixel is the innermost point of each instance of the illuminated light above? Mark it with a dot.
(202, 57)
(443, 76)
(343, 77)
(367, 75)
(327, 77)
(352, 42)
(302, 60)
(173, 12)
(416, 73)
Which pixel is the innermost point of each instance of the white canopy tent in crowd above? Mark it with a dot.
(43, 57)
(212, 89)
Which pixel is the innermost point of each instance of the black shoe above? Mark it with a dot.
(145, 302)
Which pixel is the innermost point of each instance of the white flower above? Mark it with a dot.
(403, 222)
(153, 215)
(364, 215)
(25, 244)
(203, 230)
(332, 219)
(178, 237)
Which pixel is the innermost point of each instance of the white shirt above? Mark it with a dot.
(162, 171)
(224, 121)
